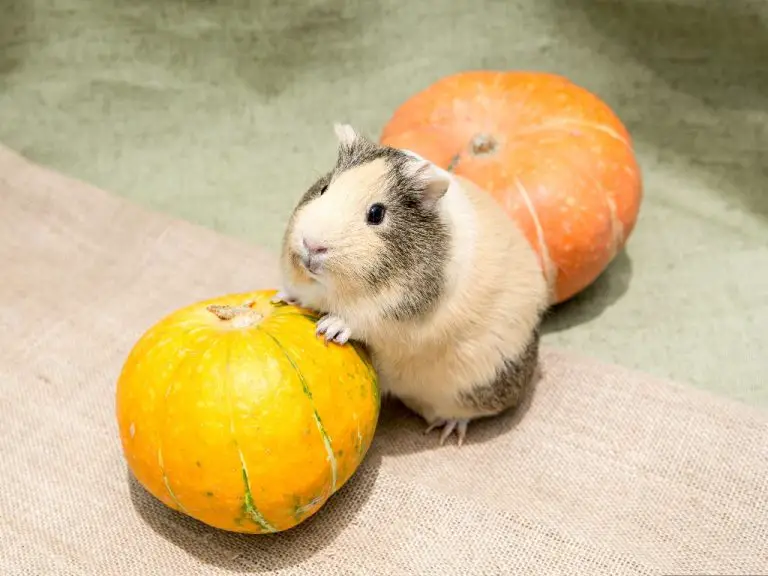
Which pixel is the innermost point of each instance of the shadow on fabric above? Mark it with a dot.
(401, 432)
(256, 553)
(590, 303)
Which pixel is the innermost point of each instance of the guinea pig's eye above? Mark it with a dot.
(376, 214)
(323, 189)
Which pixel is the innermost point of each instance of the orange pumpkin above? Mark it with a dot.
(555, 156)
(234, 412)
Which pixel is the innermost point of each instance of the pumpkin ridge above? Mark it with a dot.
(171, 379)
(617, 227)
(318, 422)
(167, 484)
(371, 369)
(550, 271)
(578, 123)
(249, 504)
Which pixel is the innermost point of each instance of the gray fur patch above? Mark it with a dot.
(314, 190)
(510, 384)
(416, 239)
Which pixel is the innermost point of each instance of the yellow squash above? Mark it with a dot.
(235, 413)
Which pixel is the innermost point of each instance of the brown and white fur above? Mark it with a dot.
(445, 291)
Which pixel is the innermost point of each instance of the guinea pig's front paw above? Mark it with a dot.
(282, 297)
(334, 329)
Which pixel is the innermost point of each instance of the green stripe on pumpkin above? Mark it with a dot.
(249, 506)
(167, 483)
(318, 422)
(172, 495)
(364, 358)
(161, 338)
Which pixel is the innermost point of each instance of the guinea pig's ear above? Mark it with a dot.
(346, 134)
(433, 181)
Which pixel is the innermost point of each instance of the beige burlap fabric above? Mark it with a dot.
(604, 472)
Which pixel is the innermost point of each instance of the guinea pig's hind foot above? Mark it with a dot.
(449, 426)
(334, 329)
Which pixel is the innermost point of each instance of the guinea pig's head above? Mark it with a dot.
(371, 219)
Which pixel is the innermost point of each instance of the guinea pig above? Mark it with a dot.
(428, 272)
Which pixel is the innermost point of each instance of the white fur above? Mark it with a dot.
(345, 133)
(494, 295)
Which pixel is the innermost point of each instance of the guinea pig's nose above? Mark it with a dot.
(314, 247)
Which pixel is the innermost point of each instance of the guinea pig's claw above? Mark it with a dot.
(449, 426)
(284, 298)
(334, 329)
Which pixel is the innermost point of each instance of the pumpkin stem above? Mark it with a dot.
(483, 144)
(242, 315)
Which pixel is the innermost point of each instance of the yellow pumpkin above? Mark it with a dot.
(234, 412)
